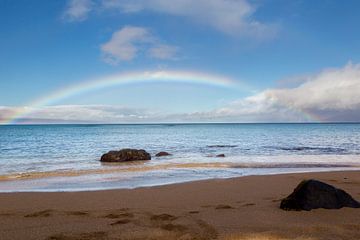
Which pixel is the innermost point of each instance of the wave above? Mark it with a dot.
(115, 168)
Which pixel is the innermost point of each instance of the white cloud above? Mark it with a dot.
(234, 17)
(331, 95)
(126, 43)
(77, 10)
(333, 89)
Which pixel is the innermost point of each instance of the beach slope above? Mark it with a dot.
(238, 208)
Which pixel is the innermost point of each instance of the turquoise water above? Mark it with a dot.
(66, 157)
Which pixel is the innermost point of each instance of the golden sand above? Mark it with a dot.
(229, 209)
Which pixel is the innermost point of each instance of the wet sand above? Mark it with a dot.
(238, 208)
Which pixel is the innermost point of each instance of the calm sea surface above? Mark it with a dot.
(66, 157)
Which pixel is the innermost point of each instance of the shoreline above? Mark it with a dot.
(235, 208)
(62, 175)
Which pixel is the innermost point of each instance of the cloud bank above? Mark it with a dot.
(233, 17)
(228, 16)
(78, 114)
(329, 96)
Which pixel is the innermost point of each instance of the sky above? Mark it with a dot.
(179, 61)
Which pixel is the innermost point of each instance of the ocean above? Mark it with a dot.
(66, 157)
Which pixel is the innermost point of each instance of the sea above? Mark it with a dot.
(66, 157)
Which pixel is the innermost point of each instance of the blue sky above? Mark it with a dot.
(282, 49)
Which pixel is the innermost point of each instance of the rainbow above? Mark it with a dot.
(133, 78)
(124, 79)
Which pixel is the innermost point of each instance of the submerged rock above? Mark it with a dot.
(163, 154)
(220, 155)
(125, 155)
(222, 146)
(312, 194)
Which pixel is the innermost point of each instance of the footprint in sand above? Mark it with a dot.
(77, 213)
(119, 215)
(248, 204)
(194, 212)
(163, 217)
(121, 222)
(162, 226)
(223, 206)
(81, 236)
(45, 213)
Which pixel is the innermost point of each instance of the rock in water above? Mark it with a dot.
(125, 155)
(312, 194)
(220, 155)
(162, 154)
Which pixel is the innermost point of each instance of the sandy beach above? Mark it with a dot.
(237, 208)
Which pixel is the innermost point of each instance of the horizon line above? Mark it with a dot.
(177, 123)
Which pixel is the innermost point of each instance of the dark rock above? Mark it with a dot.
(312, 194)
(162, 154)
(125, 155)
(220, 155)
